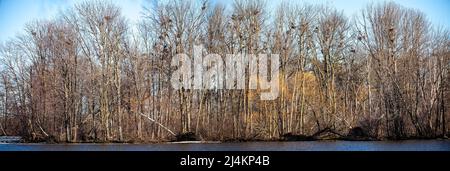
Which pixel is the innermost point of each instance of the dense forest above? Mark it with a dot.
(90, 75)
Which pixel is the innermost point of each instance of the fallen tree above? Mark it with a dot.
(159, 124)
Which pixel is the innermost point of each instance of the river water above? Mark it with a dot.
(410, 145)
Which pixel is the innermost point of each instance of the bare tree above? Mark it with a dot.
(89, 75)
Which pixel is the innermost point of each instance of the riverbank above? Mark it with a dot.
(19, 140)
(326, 134)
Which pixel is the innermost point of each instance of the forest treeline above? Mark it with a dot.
(90, 75)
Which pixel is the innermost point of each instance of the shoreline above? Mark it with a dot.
(228, 141)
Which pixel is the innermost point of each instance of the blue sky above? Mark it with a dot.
(14, 14)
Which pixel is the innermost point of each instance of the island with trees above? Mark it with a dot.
(89, 75)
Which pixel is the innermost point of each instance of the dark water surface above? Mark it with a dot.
(410, 145)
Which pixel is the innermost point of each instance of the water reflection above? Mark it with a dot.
(412, 145)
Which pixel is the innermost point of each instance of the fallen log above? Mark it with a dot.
(161, 125)
(321, 133)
